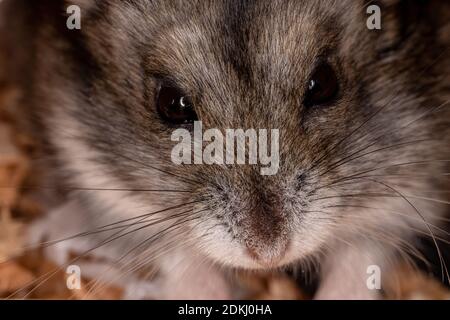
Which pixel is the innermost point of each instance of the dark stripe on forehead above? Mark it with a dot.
(237, 18)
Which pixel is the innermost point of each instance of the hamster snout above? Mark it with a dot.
(258, 220)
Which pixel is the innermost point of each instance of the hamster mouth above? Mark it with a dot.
(267, 249)
(269, 258)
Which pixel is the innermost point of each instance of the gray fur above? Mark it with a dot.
(246, 65)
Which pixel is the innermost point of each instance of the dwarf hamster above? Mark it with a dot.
(362, 114)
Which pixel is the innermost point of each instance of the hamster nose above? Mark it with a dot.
(265, 230)
(268, 256)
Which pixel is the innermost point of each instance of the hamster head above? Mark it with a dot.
(359, 113)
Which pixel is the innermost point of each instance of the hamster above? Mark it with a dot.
(362, 114)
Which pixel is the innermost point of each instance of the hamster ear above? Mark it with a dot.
(402, 16)
(408, 14)
(404, 21)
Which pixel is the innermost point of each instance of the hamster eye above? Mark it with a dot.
(322, 86)
(174, 106)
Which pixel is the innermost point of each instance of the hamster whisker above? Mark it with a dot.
(96, 189)
(403, 248)
(406, 250)
(356, 195)
(342, 186)
(438, 250)
(390, 212)
(154, 255)
(161, 233)
(443, 174)
(147, 166)
(111, 238)
(420, 117)
(150, 258)
(350, 177)
(316, 163)
(99, 283)
(149, 255)
(351, 157)
(377, 195)
(414, 230)
(42, 279)
(380, 235)
(101, 229)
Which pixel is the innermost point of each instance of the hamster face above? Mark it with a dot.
(356, 156)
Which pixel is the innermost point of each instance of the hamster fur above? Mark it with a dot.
(359, 179)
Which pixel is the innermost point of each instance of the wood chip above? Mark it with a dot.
(409, 284)
(270, 287)
(13, 277)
